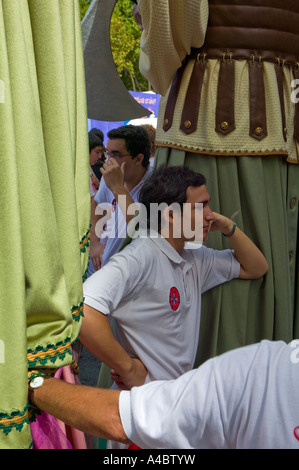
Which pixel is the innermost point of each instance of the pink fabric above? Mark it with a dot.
(50, 433)
(47, 434)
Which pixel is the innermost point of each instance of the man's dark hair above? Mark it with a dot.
(97, 132)
(94, 141)
(168, 185)
(136, 141)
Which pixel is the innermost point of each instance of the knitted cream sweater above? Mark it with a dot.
(171, 28)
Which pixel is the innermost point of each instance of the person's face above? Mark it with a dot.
(95, 155)
(194, 195)
(116, 148)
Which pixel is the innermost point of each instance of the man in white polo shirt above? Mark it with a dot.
(124, 173)
(152, 288)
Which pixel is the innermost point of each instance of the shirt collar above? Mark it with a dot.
(166, 247)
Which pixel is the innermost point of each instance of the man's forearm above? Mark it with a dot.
(89, 409)
(252, 261)
(97, 336)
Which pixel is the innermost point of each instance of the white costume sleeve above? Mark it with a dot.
(173, 414)
(246, 398)
(171, 28)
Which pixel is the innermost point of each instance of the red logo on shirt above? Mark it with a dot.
(174, 298)
(296, 433)
(114, 205)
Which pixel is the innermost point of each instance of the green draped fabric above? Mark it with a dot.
(45, 198)
(265, 191)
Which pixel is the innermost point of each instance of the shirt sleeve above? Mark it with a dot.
(170, 29)
(200, 409)
(101, 193)
(216, 267)
(174, 414)
(115, 282)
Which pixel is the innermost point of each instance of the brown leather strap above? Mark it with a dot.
(172, 97)
(257, 101)
(258, 25)
(192, 101)
(279, 76)
(225, 109)
(296, 123)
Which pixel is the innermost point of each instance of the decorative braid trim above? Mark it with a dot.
(15, 420)
(84, 277)
(84, 242)
(77, 311)
(49, 353)
(32, 373)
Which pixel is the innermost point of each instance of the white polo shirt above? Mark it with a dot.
(245, 399)
(116, 226)
(154, 295)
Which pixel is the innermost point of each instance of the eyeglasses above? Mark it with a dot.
(116, 155)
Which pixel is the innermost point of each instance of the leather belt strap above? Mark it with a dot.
(225, 121)
(279, 76)
(192, 101)
(225, 108)
(257, 102)
(172, 97)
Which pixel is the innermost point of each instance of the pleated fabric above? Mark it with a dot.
(44, 199)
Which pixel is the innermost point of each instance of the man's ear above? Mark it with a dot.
(166, 221)
(139, 159)
(167, 214)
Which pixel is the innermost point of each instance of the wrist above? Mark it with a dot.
(125, 367)
(230, 230)
(119, 190)
(34, 387)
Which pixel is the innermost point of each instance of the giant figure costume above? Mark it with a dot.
(228, 110)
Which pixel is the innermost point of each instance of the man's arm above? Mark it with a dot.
(97, 337)
(89, 409)
(96, 248)
(252, 261)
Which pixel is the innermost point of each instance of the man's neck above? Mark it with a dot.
(176, 243)
(130, 185)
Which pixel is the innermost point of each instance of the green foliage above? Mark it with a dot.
(125, 44)
(84, 5)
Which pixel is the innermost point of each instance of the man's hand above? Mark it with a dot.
(96, 253)
(131, 379)
(222, 224)
(114, 176)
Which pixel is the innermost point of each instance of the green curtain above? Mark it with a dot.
(44, 198)
(265, 191)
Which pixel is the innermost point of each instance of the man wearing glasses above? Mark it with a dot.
(124, 173)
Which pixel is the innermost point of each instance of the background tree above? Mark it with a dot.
(84, 5)
(125, 44)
